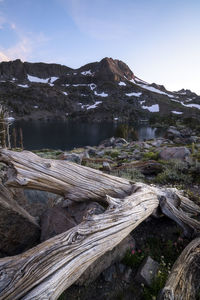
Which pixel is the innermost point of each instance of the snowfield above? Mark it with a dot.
(152, 108)
(153, 89)
(49, 80)
(136, 94)
(87, 72)
(101, 94)
(121, 83)
(23, 85)
(94, 105)
(177, 112)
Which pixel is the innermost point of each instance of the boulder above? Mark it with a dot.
(19, 231)
(55, 221)
(108, 142)
(35, 202)
(150, 168)
(114, 142)
(110, 273)
(174, 153)
(172, 133)
(147, 271)
(91, 151)
(59, 219)
(73, 157)
(106, 166)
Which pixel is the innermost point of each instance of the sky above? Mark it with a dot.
(158, 39)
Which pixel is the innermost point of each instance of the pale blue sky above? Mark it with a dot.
(158, 39)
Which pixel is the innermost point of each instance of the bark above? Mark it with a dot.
(74, 182)
(184, 280)
(45, 271)
(180, 209)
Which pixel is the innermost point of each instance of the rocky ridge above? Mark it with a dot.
(105, 90)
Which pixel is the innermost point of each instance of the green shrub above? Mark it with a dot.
(158, 283)
(151, 156)
(114, 154)
(134, 258)
(125, 131)
(130, 174)
(175, 172)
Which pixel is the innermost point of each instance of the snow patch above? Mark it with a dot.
(86, 72)
(65, 93)
(143, 101)
(37, 79)
(92, 86)
(140, 80)
(177, 112)
(94, 105)
(152, 108)
(181, 93)
(52, 79)
(154, 90)
(35, 106)
(122, 83)
(49, 80)
(188, 100)
(193, 105)
(136, 94)
(101, 94)
(23, 85)
(10, 119)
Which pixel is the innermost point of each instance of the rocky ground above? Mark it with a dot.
(138, 267)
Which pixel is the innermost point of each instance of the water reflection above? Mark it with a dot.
(65, 135)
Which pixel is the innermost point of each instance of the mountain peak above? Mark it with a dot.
(117, 70)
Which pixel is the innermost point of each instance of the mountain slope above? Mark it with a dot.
(105, 90)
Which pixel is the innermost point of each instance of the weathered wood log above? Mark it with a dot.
(45, 271)
(181, 210)
(184, 280)
(79, 183)
(14, 221)
(74, 182)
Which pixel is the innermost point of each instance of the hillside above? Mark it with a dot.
(105, 90)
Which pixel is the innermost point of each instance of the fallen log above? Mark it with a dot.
(184, 280)
(45, 271)
(74, 182)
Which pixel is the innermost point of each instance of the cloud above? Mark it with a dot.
(27, 43)
(98, 19)
(3, 57)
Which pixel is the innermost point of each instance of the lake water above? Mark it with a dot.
(66, 135)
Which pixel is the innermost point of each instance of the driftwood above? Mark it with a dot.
(46, 270)
(74, 182)
(184, 280)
